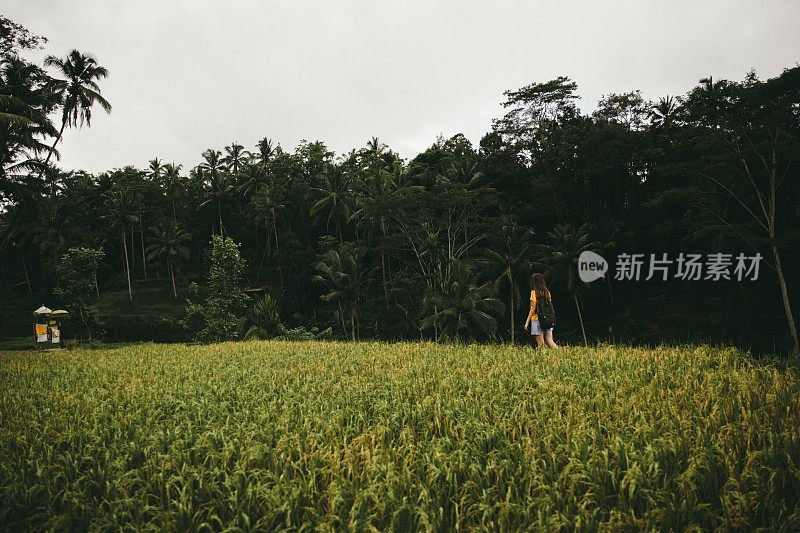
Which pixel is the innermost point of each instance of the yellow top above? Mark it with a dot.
(535, 316)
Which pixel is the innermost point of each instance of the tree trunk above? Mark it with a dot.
(341, 317)
(277, 248)
(127, 265)
(144, 257)
(172, 275)
(512, 314)
(96, 286)
(60, 133)
(352, 326)
(778, 268)
(785, 297)
(580, 318)
(25, 268)
(383, 272)
(133, 259)
(219, 213)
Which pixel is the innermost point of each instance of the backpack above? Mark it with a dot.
(547, 315)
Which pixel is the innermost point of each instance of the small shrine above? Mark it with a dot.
(47, 327)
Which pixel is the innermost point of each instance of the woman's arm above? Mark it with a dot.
(530, 313)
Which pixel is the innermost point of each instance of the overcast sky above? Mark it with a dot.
(189, 75)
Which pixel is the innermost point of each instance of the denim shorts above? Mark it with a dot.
(537, 330)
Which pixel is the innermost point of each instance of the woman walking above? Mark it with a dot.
(540, 297)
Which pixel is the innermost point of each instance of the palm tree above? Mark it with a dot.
(663, 114)
(266, 151)
(120, 210)
(344, 277)
(262, 320)
(333, 200)
(169, 243)
(463, 305)
(218, 185)
(171, 181)
(509, 254)
(212, 161)
(48, 234)
(79, 91)
(234, 158)
(25, 103)
(19, 226)
(155, 169)
(561, 258)
(264, 206)
(462, 172)
(379, 193)
(251, 178)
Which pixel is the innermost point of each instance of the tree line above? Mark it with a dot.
(440, 246)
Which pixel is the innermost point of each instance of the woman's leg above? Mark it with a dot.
(539, 340)
(548, 337)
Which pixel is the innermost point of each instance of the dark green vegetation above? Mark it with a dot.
(273, 435)
(374, 246)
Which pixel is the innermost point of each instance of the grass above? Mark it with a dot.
(281, 435)
(17, 343)
(153, 298)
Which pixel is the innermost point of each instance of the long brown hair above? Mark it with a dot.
(538, 285)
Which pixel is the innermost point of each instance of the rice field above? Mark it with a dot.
(264, 436)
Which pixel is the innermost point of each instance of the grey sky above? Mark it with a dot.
(189, 75)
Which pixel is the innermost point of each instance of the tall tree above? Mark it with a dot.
(560, 255)
(342, 273)
(333, 198)
(79, 91)
(218, 186)
(170, 244)
(509, 256)
(266, 151)
(155, 169)
(25, 103)
(77, 272)
(758, 125)
(463, 306)
(120, 211)
(171, 182)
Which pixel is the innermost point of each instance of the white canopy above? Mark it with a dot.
(43, 311)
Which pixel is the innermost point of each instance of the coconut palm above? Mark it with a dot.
(168, 244)
(251, 177)
(218, 186)
(172, 181)
(120, 210)
(48, 233)
(333, 198)
(560, 256)
(463, 306)
(344, 277)
(266, 151)
(155, 169)
(509, 257)
(25, 102)
(264, 207)
(663, 114)
(379, 192)
(262, 320)
(234, 158)
(79, 90)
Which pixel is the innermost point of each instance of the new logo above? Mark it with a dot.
(591, 266)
